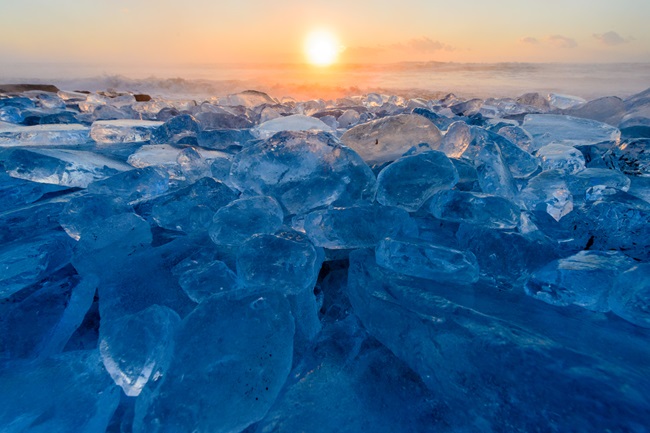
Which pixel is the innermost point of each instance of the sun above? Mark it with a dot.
(322, 48)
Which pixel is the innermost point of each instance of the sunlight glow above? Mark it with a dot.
(321, 48)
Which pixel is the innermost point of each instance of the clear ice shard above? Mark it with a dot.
(178, 210)
(179, 129)
(567, 130)
(630, 296)
(41, 324)
(295, 122)
(134, 185)
(65, 167)
(44, 135)
(584, 279)
(245, 217)
(26, 261)
(455, 336)
(563, 102)
(192, 164)
(561, 157)
(302, 171)
(138, 347)
(18, 192)
(388, 138)
(203, 280)
(632, 157)
(411, 180)
(122, 131)
(549, 192)
(164, 155)
(70, 392)
(424, 260)
(246, 353)
(360, 226)
(475, 208)
(248, 99)
(286, 262)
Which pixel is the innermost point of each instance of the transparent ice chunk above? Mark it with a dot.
(561, 157)
(243, 218)
(584, 279)
(245, 357)
(411, 180)
(387, 139)
(137, 348)
(302, 171)
(425, 260)
(475, 208)
(123, 131)
(44, 135)
(567, 130)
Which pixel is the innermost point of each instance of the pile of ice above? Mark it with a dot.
(365, 264)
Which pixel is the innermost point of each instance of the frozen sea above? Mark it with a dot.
(426, 79)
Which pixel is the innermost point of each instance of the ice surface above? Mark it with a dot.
(243, 218)
(65, 393)
(303, 171)
(295, 122)
(411, 180)
(231, 382)
(453, 337)
(44, 135)
(584, 279)
(632, 158)
(123, 130)
(387, 139)
(424, 260)
(248, 99)
(179, 129)
(609, 109)
(475, 208)
(136, 348)
(65, 167)
(567, 130)
(360, 226)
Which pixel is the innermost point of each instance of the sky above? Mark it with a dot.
(378, 31)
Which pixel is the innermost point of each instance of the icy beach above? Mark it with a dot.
(372, 263)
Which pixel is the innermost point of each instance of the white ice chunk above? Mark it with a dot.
(123, 131)
(44, 135)
(296, 122)
(165, 155)
(567, 130)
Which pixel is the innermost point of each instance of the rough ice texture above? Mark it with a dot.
(455, 337)
(389, 138)
(303, 171)
(123, 131)
(630, 296)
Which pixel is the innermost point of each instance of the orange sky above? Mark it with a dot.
(205, 31)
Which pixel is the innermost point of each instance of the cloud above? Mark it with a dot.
(422, 44)
(562, 41)
(529, 40)
(610, 38)
(425, 44)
